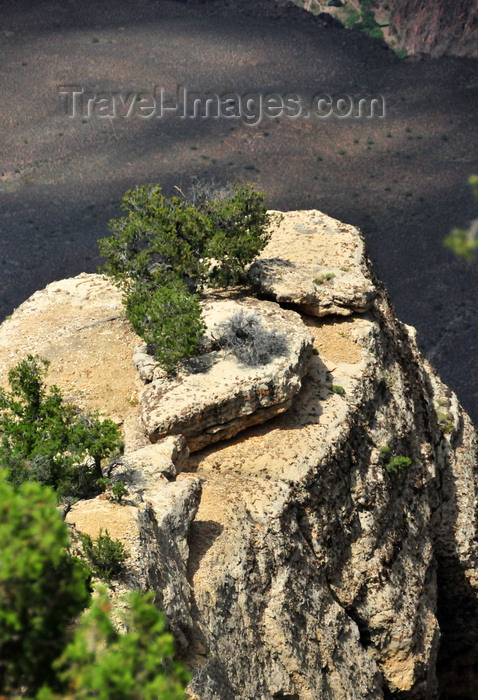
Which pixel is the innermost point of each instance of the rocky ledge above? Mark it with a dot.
(315, 263)
(214, 397)
(329, 552)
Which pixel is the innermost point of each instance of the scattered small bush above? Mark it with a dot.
(244, 335)
(105, 555)
(397, 466)
(325, 277)
(118, 491)
(401, 53)
(445, 421)
(364, 22)
(337, 389)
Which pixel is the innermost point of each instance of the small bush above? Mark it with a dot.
(170, 321)
(445, 421)
(337, 389)
(324, 277)
(351, 18)
(118, 491)
(105, 555)
(397, 466)
(244, 335)
(364, 22)
(44, 439)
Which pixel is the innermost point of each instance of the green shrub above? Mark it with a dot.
(105, 555)
(397, 466)
(170, 321)
(244, 335)
(119, 491)
(165, 250)
(42, 587)
(101, 662)
(158, 241)
(44, 439)
(337, 389)
(208, 240)
(445, 421)
(351, 18)
(324, 277)
(365, 22)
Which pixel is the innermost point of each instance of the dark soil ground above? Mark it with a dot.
(402, 179)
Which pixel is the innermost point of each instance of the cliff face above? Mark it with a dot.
(301, 559)
(430, 27)
(319, 578)
(435, 27)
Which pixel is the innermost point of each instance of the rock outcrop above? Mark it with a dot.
(421, 27)
(315, 263)
(153, 524)
(214, 397)
(435, 27)
(330, 552)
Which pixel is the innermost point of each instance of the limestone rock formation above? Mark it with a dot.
(214, 397)
(165, 459)
(311, 510)
(330, 552)
(153, 524)
(316, 263)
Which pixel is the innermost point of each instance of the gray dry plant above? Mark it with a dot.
(244, 335)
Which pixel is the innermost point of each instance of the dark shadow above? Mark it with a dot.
(202, 535)
(202, 363)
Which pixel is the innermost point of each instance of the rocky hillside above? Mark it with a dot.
(308, 525)
(435, 27)
(430, 27)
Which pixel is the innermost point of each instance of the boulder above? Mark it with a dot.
(316, 263)
(164, 460)
(214, 396)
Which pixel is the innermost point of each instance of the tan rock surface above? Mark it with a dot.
(289, 561)
(315, 262)
(217, 402)
(79, 326)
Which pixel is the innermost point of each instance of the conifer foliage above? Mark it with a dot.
(166, 251)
